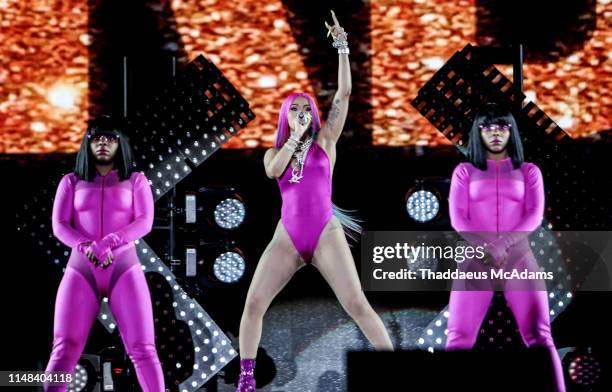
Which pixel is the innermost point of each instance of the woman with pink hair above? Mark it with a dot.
(310, 228)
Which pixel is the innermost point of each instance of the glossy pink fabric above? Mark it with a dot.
(500, 204)
(499, 199)
(307, 205)
(104, 208)
(113, 214)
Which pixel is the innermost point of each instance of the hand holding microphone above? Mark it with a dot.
(301, 123)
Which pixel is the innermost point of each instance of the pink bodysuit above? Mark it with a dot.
(502, 204)
(307, 205)
(112, 214)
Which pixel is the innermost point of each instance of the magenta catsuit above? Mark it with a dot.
(502, 201)
(113, 213)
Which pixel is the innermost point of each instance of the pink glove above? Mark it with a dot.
(498, 251)
(82, 245)
(102, 249)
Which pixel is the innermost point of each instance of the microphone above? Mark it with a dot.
(303, 119)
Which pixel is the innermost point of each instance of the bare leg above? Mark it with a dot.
(276, 266)
(334, 260)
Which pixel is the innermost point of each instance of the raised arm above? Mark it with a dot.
(331, 130)
(61, 219)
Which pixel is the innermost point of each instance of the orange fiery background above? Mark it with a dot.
(44, 67)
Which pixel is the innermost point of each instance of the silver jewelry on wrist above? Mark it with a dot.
(341, 43)
(291, 144)
(290, 147)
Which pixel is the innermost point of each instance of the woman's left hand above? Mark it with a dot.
(336, 31)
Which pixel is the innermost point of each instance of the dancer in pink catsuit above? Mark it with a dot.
(498, 199)
(98, 211)
(310, 228)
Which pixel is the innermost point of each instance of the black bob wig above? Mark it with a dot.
(494, 114)
(85, 167)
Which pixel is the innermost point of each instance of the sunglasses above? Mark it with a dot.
(495, 127)
(109, 137)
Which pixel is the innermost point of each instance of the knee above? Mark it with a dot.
(538, 336)
(140, 351)
(255, 306)
(458, 339)
(66, 348)
(357, 307)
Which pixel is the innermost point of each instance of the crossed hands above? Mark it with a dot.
(96, 250)
(498, 253)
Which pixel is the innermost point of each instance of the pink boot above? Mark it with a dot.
(246, 383)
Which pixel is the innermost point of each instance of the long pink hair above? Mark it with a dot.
(282, 130)
(349, 222)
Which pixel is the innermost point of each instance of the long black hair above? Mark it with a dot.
(492, 113)
(85, 167)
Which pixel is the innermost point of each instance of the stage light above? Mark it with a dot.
(191, 262)
(267, 81)
(584, 370)
(582, 367)
(190, 208)
(422, 205)
(38, 126)
(84, 376)
(229, 213)
(433, 63)
(566, 121)
(229, 267)
(216, 210)
(63, 96)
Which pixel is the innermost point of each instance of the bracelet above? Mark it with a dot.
(344, 50)
(291, 144)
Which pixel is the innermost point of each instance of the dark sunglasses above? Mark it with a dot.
(495, 127)
(109, 137)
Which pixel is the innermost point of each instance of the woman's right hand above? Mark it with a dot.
(83, 245)
(299, 128)
(498, 253)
